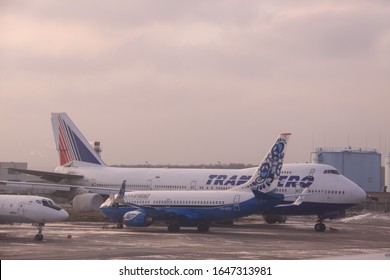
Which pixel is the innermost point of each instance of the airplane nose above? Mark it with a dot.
(63, 215)
(360, 194)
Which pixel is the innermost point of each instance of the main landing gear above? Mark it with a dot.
(203, 227)
(39, 236)
(320, 226)
(174, 227)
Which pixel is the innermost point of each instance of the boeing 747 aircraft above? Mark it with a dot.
(201, 208)
(84, 176)
(30, 209)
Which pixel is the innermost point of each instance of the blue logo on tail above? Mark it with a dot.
(272, 166)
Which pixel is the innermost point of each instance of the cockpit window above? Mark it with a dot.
(50, 204)
(332, 171)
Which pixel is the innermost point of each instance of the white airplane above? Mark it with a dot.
(30, 209)
(201, 208)
(85, 177)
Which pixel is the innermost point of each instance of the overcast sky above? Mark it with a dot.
(185, 82)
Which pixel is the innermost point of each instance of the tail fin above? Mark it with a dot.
(122, 190)
(70, 143)
(269, 169)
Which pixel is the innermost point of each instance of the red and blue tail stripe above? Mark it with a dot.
(71, 144)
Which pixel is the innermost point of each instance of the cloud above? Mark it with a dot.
(204, 74)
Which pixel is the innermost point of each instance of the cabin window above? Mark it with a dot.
(332, 171)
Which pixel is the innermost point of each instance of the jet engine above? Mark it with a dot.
(87, 202)
(137, 218)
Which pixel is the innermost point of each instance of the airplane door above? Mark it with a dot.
(328, 197)
(193, 185)
(149, 184)
(236, 203)
(21, 209)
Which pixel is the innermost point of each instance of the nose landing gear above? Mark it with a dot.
(39, 236)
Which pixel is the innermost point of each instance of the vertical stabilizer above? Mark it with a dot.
(70, 143)
(266, 175)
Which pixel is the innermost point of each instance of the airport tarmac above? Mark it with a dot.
(365, 235)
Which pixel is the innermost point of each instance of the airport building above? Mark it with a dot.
(9, 175)
(363, 166)
(387, 173)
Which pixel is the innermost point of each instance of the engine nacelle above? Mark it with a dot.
(137, 218)
(332, 215)
(87, 202)
(273, 219)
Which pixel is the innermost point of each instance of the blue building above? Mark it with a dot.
(362, 166)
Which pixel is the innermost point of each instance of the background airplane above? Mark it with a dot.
(85, 178)
(201, 208)
(30, 209)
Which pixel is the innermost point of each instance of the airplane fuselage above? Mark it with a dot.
(177, 208)
(29, 209)
(200, 206)
(327, 189)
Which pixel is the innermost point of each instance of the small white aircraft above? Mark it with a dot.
(16, 209)
(202, 208)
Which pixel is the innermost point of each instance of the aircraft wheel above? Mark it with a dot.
(203, 227)
(173, 227)
(119, 226)
(319, 227)
(38, 237)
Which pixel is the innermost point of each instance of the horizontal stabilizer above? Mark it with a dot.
(268, 196)
(286, 205)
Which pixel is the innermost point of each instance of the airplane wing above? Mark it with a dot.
(31, 188)
(50, 176)
(45, 188)
(297, 202)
